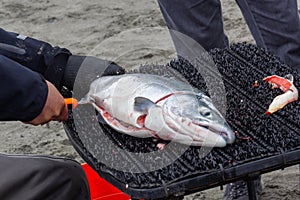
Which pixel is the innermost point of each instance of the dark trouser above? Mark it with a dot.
(38, 177)
(274, 24)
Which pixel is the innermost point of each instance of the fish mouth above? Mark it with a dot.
(221, 129)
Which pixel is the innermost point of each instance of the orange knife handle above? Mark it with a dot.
(71, 101)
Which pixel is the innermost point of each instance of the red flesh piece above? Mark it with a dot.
(280, 82)
(141, 120)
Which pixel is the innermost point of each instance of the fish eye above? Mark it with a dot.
(204, 112)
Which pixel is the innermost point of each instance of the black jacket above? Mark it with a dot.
(25, 63)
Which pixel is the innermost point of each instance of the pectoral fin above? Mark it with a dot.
(142, 104)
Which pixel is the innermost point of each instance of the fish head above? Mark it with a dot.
(198, 109)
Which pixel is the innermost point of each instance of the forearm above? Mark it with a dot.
(37, 55)
(23, 93)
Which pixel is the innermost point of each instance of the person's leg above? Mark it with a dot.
(38, 177)
(201, 20)
(275, 26)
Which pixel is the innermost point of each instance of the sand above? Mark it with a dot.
(126, 31)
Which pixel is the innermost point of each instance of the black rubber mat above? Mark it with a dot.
(264, 142)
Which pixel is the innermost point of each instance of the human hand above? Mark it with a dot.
(54, 108)
(85, 69)
(91, 68)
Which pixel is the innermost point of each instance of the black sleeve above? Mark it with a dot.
(23, 92)
(37, 55)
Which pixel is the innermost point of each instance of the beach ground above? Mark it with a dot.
(129, 32)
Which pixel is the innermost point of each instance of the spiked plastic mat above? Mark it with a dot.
(264, 142)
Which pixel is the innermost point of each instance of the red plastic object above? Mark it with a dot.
(100, 189)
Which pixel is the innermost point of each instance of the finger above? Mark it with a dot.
(39, 121)
(63, 116)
